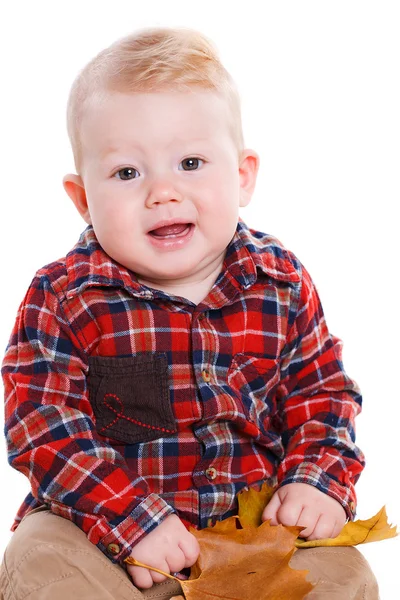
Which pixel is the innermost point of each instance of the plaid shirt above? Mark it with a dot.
(124, 404)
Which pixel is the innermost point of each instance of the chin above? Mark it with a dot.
(176, 267)
(173, 275)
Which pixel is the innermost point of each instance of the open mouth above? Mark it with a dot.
(171, 236)
(171, 231)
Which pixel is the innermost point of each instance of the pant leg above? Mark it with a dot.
(49, 557)
(340, 573)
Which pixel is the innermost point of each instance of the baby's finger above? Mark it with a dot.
(337, 528)
(289, 511)
(270, 511)
(159, 577)
(176, 561)
(324, 528)
(141, 577)
(191, 550)
(307, 519)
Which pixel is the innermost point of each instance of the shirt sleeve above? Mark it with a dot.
(318, 405)
(51, 435)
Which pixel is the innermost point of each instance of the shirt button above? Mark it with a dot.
(113, 549)
(206, 375)
(352, 506)
(211, 473)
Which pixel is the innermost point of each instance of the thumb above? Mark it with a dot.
(271, 510)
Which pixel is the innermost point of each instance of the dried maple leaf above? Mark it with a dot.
(357, 532)
(252, 503)
(244, 564)
(243, 559)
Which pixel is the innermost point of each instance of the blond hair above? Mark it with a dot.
(152, 60)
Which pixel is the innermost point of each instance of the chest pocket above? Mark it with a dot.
(130, 397)
(255, 380)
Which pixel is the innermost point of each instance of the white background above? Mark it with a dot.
(320, 91)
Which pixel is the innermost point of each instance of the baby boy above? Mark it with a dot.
(174, 356)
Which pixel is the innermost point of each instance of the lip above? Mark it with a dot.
(171, 243)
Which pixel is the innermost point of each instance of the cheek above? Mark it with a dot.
(220, 193)
(106, 207)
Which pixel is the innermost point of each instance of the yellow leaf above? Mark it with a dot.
(357, 532)
(245, 564)
(252, 503)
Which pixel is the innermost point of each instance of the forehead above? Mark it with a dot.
(160, 117)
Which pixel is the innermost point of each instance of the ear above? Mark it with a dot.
(248, 169)
(73, 185)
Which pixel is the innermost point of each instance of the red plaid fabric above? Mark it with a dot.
(124, 404)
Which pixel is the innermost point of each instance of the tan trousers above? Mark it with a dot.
(50, 558)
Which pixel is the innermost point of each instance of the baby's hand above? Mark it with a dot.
(169, 547)
(304, 505)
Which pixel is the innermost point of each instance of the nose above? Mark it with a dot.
(161, 191)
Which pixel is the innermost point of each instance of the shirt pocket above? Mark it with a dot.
(130, 397)
(255, 381)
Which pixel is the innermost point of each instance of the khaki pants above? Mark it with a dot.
(50, 558)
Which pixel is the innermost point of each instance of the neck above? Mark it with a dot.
(193, 290)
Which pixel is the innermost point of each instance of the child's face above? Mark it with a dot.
(162, 182)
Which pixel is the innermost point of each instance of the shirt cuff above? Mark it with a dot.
(118, 543)
(312, 474)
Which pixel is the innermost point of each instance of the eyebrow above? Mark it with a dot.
(108, 151)
(113, 150)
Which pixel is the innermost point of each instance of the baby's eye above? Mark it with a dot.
(191, 164)
(126, 174)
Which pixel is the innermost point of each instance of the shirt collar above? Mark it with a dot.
(249, 251)
(89, 265)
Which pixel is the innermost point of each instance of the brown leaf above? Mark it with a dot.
(252, 503)
(245, 564)
(357, 532)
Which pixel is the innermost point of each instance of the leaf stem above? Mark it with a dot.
(136, 563)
